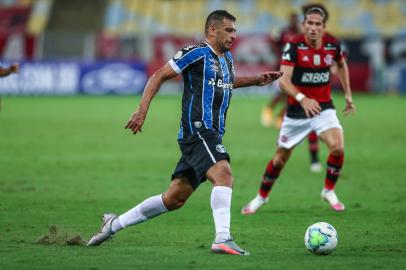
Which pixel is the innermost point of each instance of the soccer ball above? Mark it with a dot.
(321, 238)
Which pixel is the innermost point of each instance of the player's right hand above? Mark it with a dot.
(310, 106)
(136, 121)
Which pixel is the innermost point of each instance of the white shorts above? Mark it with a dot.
(293, 131)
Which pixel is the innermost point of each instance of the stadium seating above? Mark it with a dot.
(348, 17)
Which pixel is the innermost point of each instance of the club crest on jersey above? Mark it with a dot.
(221, 149)
(328, 59)
(178, 55)
(197, 124)
(316, 59)
(284, 139)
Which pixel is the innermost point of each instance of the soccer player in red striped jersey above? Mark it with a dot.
(293, 29)
(306, 63)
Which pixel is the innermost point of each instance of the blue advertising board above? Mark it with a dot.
(72, 77)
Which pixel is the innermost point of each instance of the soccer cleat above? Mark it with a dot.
(316, 167)
(254, 205)
(331, 197)
(105, 230)
(266, 116)
(228, 247)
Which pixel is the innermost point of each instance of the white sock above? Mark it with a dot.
(220, 202)
(148, 209)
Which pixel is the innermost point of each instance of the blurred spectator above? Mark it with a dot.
(374, 48)
(397, 71)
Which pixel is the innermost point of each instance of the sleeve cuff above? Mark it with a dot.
(174, 66)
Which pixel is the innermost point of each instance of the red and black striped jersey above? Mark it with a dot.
(311, 72)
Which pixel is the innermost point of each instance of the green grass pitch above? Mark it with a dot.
(66, 160)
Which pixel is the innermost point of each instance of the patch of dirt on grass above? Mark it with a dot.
(54, 237)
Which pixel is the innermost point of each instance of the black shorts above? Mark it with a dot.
(199, 153)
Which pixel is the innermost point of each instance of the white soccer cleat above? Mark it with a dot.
(254, 205)
(331, 197)
(316, 167)
(105, 231)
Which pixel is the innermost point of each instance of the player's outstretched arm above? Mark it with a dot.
(14, 68)
(344, 78)
(310, 106)
(260, 80)
(153, 85)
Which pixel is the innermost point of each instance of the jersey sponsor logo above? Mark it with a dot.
(301, 46)
(329, 47)
(316, 77)
(220, 84)
(316, 59)
(224, 85)
(189, 47)
(214, 68)
(220, 148)
(328, 59)
(178, 55)
(286, 56)
(211, 82)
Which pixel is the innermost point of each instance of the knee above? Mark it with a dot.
(225, 178)
(221, 175)
(337, 150)
(173, 203)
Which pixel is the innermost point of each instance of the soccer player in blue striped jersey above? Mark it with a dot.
(209, 79)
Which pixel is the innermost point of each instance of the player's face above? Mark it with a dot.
(314, 26)
(225, 34)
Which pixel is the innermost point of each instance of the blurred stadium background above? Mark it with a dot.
(65, 160)
(111, 46)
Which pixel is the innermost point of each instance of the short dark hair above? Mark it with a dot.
(217, 16)
(315, 8)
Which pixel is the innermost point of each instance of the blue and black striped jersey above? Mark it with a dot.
(208, 83)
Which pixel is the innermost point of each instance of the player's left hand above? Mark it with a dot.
(268, 77)
(136, 121)
(349, 108)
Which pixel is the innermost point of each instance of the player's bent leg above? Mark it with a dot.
(220, 174)
(175, 197)
(177, 194)
(335, 143)
(272, 172)
(221, 177)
